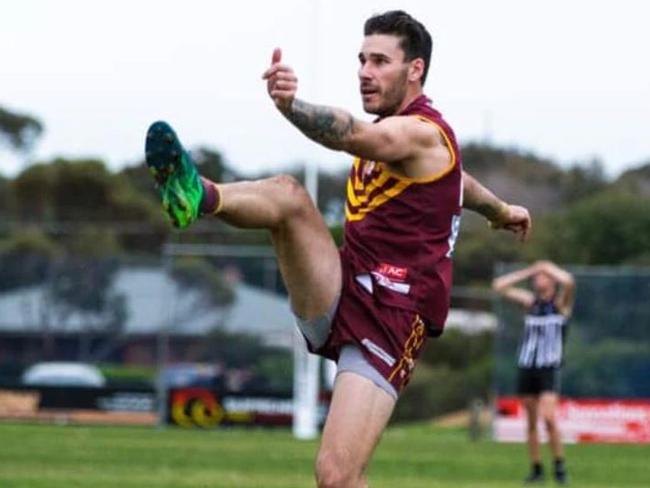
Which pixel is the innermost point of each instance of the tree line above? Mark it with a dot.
(580, 215)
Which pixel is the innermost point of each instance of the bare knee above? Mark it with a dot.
(293, 199)
(337, 470)
(550, 421)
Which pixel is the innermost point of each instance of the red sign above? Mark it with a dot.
(581, 420)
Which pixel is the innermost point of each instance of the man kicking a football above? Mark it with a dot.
(370, 305)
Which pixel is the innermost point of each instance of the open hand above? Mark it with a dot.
(281, 82)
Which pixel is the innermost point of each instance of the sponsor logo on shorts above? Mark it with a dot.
(382, 280)
(392, 277)
(378, 351)
(394, 273)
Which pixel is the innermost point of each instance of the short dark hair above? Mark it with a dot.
(415, 40)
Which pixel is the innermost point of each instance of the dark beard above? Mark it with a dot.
(394, 98)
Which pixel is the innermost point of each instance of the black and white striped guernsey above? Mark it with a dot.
(543, 340)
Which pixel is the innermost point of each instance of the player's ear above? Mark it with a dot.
(416, 69)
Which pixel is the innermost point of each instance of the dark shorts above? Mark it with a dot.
(390, 338)
(534, 381)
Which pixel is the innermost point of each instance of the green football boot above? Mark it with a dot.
(175, 173)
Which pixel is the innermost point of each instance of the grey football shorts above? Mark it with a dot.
(351, 359)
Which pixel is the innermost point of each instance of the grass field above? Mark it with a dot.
(418, 456)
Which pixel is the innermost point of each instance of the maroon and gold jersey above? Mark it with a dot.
(400, 231)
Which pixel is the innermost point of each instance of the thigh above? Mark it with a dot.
(357, 417)
(531, 404)
(309, 262)
(548, 401)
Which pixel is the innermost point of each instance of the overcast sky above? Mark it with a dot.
(566, 79)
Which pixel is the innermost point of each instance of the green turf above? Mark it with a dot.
(33, 456)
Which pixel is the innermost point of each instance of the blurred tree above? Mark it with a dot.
(31, 191)
(197, 274)
(212, 165)
(65, 194)
(610, 228)
(80, 190)
(583, 180)
(139, 179)
(635, 180)
(83, 289)
(516, 176)
(6, 201)
(92, 241)
(25, 258)
(19, 131)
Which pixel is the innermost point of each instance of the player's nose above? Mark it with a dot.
(364, 71)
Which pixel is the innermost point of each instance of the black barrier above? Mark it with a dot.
(187, 407)
(90, 398)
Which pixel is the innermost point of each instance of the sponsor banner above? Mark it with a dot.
(107, 399)
(581, 420)
(202, 407)
(83, 405)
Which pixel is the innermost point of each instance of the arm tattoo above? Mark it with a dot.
(325, 125)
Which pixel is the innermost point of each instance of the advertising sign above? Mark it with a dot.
(203, 407)
(581, 420)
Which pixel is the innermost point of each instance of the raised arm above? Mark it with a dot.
(390, 140)
(499, 214)
(567, 285)
(505, 285)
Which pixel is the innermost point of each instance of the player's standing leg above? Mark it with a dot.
(547, 407)
(358, 415)
(531, 403)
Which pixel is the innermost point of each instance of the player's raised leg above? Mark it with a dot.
(358, 415)
(307, 255)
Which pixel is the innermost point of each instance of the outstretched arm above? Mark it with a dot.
(499, 214)
(505, 285)
(390, 140)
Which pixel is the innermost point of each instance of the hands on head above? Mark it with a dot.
(281, 82)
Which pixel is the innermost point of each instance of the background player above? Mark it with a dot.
(371, 305)
(548, 307)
